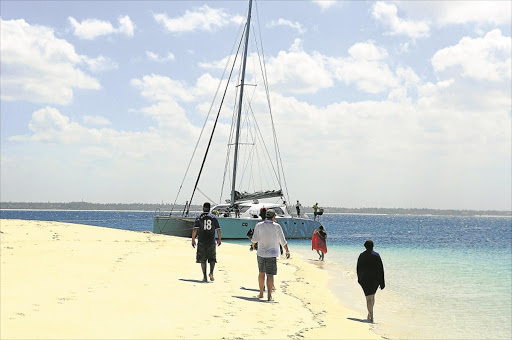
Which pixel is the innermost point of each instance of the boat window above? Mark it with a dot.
(224, 208)
(221, 208)
(278, 211)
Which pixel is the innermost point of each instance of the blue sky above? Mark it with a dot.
(377, 104)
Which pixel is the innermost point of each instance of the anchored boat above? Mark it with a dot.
(241, 212)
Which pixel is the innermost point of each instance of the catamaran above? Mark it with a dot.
(241, 212)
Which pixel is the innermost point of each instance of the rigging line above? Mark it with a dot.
(215, 124)
(248, 159)
(266, 178)
(206, 120)
(209, 199)
(264, 72)
(263, 142)
(267, 92)
(260, 170)
(246, 156)
(226, 165)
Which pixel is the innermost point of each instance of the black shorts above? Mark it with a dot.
(267, 265)
(206, 252)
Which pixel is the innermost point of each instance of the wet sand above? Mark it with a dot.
(70, 281)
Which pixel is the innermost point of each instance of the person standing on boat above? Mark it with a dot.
(298, 206)
(269, 235)
(370, 275)
(205, 226)
(315, 209)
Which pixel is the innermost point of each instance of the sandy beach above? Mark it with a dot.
(70, 281)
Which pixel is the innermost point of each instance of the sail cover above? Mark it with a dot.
(245, 196)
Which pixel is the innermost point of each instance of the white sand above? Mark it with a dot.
(69, 281)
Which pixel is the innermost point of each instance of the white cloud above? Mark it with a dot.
(155, 57)
(365, 68)
(367, 51)
(388, 14)
(39, 67)
(100, 63)
(283, 22)
(160, 88)
(96, 120)
(297, 71)
(203, 18)
(90, 29)
(126, 26)
(459, 12)
(486, 58)
(368, 76)
(165, 94)
(50, 126)
(96, 153)
(325, 4)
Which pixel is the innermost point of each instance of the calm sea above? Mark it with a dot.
(446, 277)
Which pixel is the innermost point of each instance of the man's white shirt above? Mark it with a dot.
(268, 235)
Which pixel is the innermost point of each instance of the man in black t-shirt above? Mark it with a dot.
(205, 226)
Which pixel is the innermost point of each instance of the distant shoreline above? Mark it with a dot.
(178, 208)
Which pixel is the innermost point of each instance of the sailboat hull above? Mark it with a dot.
(234, 228)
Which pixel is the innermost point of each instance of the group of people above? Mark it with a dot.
(370, 270)
(268, 238)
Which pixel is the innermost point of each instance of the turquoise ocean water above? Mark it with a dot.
(446, 277)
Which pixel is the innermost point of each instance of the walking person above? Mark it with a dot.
(370, 275)
(319, 242)
(205, 226)
(269, 235)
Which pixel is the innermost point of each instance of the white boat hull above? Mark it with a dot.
(234, 228)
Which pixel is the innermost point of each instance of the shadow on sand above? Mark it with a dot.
(253, 299)
(360, 320)
(251, 289)
(191, 280)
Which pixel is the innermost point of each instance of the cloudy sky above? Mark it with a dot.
(376, 104)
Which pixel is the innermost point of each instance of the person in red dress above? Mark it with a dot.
(319, 242)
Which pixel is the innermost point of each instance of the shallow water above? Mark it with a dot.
(446, 277)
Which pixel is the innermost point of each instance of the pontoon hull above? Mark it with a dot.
(234, 228)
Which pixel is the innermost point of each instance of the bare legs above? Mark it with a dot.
(212, 267)
(321, 254)
(270, 284)
(370, 302)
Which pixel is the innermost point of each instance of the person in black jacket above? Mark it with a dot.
(370, 275)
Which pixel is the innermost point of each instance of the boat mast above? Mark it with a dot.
(242, 79)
